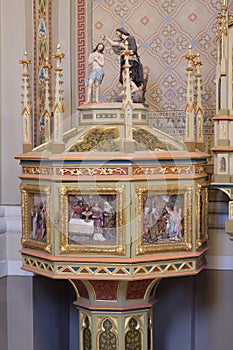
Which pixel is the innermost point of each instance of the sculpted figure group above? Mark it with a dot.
(124, 40)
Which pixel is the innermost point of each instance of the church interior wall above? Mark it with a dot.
(191, 313)
(3, 313)
(213, 310)
(12, 47)
(219, 244)
(1, 105)
(19, 312)
(54, 302)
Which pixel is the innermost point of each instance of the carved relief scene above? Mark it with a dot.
(163, 218)
(92, 219)
(38, 218)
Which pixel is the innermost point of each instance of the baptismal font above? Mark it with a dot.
(113, 206)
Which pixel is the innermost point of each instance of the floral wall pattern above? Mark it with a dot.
(163, 30)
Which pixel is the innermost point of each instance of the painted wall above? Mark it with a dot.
(3, 314)
(214, 310)
(11, 121)
(50, 314)
(163, 31)
(195, 313)
(19, 313)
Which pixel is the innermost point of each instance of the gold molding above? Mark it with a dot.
(91, 171)
(164, 170)
(201, 214)
(37, 170)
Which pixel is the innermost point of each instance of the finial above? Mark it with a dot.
(190, 57)
(47, 65)
(58, 56)
(57, 110)
(26, 105)
(25, 62)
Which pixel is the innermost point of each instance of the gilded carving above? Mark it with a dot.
(200, 169)
(145, 140)
(107, 337)
(37, 171)
(163, 170)
(201, 214)
(91, 171)
(99, 139)
(133, 335)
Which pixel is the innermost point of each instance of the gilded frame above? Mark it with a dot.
(30, 195)
(97, 193)
(201, 214)
(163, 242)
